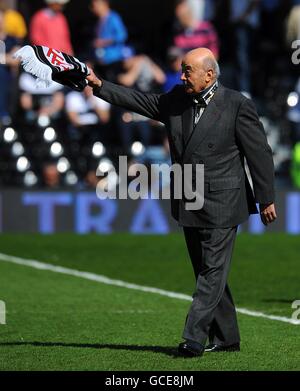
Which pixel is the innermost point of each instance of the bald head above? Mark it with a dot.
(199, 53)
(199, 70)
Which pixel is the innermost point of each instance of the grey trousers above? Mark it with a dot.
(212, 314)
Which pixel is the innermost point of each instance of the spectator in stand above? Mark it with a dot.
(49, 27)
(245, 21)
(7, 67)
(145, 75)
(173, 72)
(190, 32)
(141, 71)
(51, 177)
(14, 23)
(84, 109)
(39, 103)
(111, 34)
(88, 116)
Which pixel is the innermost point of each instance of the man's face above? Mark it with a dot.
(194, 77)
(98, 7)
(184, 14)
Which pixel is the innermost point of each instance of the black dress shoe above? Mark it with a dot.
(190, 349)
(235, 347)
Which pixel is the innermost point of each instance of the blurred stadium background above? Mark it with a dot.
(52, 142)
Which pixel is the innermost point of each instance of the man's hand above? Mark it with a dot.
(93, 80)
(267, 213)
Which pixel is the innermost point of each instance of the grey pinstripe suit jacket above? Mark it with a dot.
(228, 131)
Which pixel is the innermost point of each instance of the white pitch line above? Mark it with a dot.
(108, 281)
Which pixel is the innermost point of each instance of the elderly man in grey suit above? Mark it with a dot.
(211, 125)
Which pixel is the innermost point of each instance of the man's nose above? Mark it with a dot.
(182, 78)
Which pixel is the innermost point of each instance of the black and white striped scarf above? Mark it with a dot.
(49, 65)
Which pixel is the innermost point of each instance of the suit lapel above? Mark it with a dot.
(207, 121)
(182, 121)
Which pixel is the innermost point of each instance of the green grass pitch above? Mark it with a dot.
(62, 322)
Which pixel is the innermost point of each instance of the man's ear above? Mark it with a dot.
(209, 75)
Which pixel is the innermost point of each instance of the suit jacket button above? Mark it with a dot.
(210, 145)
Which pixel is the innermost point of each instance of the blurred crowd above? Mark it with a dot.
(57, 137)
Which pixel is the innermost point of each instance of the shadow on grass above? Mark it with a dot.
(169, 351)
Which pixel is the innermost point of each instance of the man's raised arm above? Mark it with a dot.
(149, 105)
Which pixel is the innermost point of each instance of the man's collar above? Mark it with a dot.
(206, 94)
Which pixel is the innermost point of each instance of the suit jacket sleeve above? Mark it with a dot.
(149, 105)
(253, 142)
